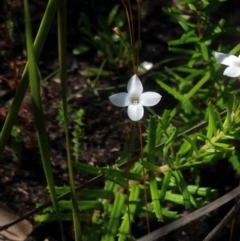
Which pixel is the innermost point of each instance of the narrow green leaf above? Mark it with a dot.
(175, 75)
(117, 180)
(86, 168)
(165, 185)
(170, 90)
(212, 128)
(188, 70)
(155, 198)
(195, 88)
(119, 173)
(149, 166)
(175, 198)
(181, 51)
(204, 50)
(96, 194)
(234, 160)
(112, 15)
(189, 140)
(182, 186)
(236, 49)
(123, 232)
(65, 205)
(201, 191)
(50, 217)
(114, 221)
(172, 137)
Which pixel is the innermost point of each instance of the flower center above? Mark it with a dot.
(135, 101)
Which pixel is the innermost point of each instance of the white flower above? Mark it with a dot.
(233, 63)
(135, 99)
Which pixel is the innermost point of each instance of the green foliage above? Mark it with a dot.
(102, 38)
(193, 79)
(166, 182)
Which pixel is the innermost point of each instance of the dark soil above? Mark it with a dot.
(22, 182)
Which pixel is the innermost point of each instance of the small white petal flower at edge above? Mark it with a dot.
(135, 99)
(233, 63)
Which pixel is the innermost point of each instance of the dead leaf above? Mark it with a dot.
(17, 232)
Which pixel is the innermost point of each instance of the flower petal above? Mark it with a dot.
(134, 86)
(149, 98)
(135, 112)
(227, 59)
(120, 99)
(232, 71)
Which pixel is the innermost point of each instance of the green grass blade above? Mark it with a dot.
(39, 114)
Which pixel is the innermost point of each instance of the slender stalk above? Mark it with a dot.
(144, 183)
(131, 23)
(63, 78)
(17, 101)
(139, 32)
(131, 31)
(199, 24)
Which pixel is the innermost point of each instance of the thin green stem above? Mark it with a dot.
(131, 31)
(139, 32)
(63, 78)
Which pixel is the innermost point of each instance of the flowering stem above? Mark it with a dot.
(131, 34)
(139, 33)
(129, 20)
